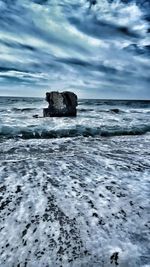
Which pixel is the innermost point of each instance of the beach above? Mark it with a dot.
(74, 191)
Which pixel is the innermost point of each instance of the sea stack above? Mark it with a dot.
(61, 104)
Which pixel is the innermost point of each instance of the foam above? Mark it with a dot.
(74, 202)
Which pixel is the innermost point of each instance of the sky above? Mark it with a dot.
(97, 52)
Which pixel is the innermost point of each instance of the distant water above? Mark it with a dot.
(95, 118)
(73, 191)
(104, 50)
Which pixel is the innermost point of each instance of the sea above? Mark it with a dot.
(74, 192)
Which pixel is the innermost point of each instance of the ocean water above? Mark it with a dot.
(74, 191)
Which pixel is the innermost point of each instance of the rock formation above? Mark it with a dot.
(60, 104)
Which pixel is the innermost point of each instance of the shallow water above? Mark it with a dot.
(75, 197)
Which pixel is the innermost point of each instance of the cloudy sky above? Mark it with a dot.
(102, 52)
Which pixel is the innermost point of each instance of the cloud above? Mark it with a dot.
(99, 53)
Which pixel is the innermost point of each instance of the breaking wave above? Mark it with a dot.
(37, 133)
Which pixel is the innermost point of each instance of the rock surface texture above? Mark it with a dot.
(60, 104)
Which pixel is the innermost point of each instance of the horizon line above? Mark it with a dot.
(104, 99)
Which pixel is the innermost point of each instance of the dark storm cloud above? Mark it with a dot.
(101, 52)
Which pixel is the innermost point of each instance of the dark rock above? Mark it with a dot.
(114, 258)
(60, 104)
(115, 110)
(35, 116)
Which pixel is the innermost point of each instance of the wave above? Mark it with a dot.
(114, 102)
(113, 110)
(8, 132)
(85, 109)
(23, 109)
